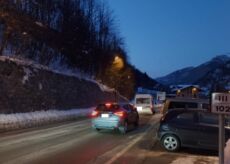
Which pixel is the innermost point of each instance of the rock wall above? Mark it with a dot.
(25, 87)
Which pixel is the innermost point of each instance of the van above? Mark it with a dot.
(144, 103)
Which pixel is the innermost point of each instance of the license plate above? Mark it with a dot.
(105, 115)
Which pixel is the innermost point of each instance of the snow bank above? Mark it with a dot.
(55, 68)
(195, 159)
(227, 153)
(33, 119)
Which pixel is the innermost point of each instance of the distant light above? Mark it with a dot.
(194, 89)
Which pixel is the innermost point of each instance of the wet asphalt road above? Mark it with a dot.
(77, 143)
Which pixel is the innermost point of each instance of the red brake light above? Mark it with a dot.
(95, 113)
(108, 105)
(121, 114)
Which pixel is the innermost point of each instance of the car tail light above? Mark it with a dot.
(121, 114)
(95, 113)
(108, 105)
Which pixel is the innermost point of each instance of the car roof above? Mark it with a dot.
(180, 110)
(188, 100)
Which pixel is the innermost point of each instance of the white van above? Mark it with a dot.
(144, 103)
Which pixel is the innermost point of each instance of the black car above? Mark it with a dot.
(190, 128)
(186, 103)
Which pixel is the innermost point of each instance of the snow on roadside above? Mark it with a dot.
(37, 118)
(227, 153)
(195, 159)
(191, 159)
(62, 70)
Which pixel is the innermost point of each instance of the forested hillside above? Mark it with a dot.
(79, 34)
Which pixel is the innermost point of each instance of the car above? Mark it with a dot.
(186, 103)
(114, 116)
(190, 128)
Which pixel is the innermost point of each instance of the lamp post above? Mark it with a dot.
(118, 62)
(117, 65)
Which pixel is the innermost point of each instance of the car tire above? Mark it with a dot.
(97, 129)
(123, 129)
(170, 142)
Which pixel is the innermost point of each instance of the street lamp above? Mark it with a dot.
(118, 62)
(117, 65)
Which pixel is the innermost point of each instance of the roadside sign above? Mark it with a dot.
(221, 103)
(221, 106)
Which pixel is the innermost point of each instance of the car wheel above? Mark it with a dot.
(97, 129)
(170, 143)
(123, 129)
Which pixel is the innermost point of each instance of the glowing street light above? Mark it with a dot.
(194, 89)
(118, 62)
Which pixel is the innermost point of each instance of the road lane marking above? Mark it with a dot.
(28, 158)
(38, 137)
(132, 143)
(46, 130)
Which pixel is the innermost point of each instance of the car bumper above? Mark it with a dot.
(145, 110)
(101, 123)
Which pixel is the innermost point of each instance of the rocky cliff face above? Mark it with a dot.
(26, 87)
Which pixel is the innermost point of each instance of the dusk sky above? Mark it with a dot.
(162, 36)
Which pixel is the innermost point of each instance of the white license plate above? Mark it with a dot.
(105, 115)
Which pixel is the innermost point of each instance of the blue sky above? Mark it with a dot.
(162, 36)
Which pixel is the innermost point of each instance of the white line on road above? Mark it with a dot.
(131, 144)
(28, 158)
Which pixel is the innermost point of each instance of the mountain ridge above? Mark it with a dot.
(200, 73)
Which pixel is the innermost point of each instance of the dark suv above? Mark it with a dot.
(190, 128)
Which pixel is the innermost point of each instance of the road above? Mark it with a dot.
(77, 143)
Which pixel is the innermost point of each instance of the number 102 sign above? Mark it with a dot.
(221, 103)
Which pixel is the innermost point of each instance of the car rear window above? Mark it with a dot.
(143, 100)
(206, 106)
(173, 105)
(107, 107)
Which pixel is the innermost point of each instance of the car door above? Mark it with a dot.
(134, 113)
(208, 125)
(185, 127)
(129, 113)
